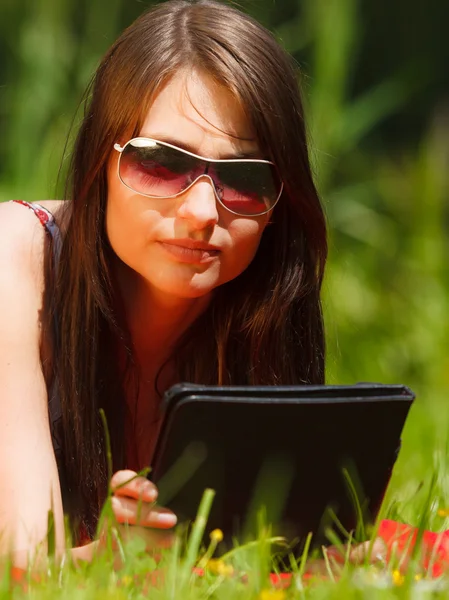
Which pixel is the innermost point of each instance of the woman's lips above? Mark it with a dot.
(190, 254)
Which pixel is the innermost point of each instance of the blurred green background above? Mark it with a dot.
(376, 85)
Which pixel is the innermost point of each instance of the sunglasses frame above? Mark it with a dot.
(208, 161)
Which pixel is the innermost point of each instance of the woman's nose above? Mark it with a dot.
(199, 204)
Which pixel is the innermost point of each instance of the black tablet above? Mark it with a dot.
(300, 452)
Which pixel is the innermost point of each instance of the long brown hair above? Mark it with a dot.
(266, 325)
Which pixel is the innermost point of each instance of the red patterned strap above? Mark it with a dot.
(48, 221)
(42, 213)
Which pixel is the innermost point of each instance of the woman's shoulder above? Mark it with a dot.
(15, 207)
(14, 214)
(23, 234)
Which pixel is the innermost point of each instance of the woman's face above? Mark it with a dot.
(150, 235)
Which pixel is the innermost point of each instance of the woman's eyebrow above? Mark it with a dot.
(189, 148)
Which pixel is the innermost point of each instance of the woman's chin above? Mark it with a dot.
(189, 292)
(187, 285)
(184, 290)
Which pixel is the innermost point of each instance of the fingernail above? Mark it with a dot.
(167, 519)
(115, 502)
(117, 506)
(150, 491)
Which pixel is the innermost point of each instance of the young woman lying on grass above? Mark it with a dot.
(191, 248)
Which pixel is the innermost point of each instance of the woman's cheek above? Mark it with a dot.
(246, 235)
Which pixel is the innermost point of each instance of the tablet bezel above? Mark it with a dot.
(183, 394)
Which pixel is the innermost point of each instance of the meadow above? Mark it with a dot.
(386, 293)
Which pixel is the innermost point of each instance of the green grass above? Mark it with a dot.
(416, 493)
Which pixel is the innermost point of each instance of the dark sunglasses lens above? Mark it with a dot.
(154, 169)
(248, 188)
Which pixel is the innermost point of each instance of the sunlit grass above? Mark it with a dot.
(190, 569)
(196, 567)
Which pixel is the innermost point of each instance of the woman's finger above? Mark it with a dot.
(125, 483)
(155, 539)
(375, 552)
(136, 512)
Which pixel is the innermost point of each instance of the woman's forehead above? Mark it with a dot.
(196, 109)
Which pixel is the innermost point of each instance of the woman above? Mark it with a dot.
(191, 247)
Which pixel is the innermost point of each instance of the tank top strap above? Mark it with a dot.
(49, 223)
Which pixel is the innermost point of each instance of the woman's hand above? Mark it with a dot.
(134, 503)
(366, 552)
(136, 512)
(371, 552)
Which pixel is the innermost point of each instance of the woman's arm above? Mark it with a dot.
(28, 471)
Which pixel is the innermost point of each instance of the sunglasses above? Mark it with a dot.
(245, 187)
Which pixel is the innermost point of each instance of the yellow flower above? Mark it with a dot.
(418, 577)
(272, 595)
(216, 535)
(219, 567)
(397, 577)
(126, 580)
(443, 512)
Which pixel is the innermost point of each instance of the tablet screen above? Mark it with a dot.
(298, 452)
